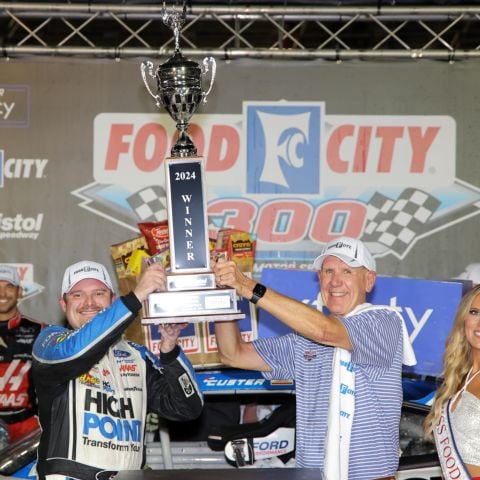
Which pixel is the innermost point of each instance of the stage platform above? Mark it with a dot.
(220, 474)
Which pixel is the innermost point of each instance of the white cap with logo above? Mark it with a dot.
(9, 274)
(83, 270)
(349, 250)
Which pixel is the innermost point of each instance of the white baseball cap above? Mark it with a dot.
(9, 274)
(349, 250)
(82, 270)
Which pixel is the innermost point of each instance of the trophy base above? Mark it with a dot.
(190, 281)
(187, 303)
(227, 317)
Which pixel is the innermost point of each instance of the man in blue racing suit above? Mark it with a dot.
(94, 388)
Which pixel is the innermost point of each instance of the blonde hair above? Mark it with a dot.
(457, 361)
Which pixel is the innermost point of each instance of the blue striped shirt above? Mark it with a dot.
(376, 336)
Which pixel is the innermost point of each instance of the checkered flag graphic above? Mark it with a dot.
(396, 223)
(149, 204)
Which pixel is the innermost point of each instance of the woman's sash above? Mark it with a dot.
(451, 462)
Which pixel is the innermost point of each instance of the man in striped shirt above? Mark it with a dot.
(370, 335)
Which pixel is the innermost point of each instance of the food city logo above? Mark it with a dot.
(14, 105)
(12, 168)
(291, 175)
(26, 275)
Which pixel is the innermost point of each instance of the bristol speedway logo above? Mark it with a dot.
(291, 175)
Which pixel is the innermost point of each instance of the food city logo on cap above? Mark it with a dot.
(86, 269)
(83, 270)
(341, 245)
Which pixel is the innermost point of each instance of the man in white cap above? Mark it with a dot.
(18, 404)
(95, 388)
(346, 364)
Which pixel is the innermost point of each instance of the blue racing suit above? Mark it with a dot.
(94, 390)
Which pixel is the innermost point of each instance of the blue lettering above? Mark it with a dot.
(346, 390)
(128, 430)
(273, 445)
(347, 365)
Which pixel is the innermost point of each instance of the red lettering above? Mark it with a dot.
(447, 451)
(237, 214)
(444, 440)
(22, 271)
(455, 472)
(150, 137)
(450, 462)
(128, 368)
(362, 149)
(388, 136)
(116, 145)
(336, 218)
(441, 428)
(224, 148)
(335, 140)
(420, 146)
(285, 221)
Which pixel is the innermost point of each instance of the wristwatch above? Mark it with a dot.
(258, 292)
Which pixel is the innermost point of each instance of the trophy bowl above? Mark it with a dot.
(179, 91)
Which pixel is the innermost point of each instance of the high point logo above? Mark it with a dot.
(292, 176)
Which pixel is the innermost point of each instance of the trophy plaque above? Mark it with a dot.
(191, 294)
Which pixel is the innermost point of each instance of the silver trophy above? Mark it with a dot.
(179, 85)
(191, 294)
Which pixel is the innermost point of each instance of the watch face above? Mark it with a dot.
(259, 290)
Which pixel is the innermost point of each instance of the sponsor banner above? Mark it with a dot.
(427, 306)
(189, 340)
(247, 326)
(12, 168)
(239, 381)
(14, 105)
(291, 175)
(20, 226)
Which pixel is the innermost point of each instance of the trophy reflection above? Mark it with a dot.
(191, 294)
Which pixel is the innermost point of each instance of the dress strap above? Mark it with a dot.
(465, 385)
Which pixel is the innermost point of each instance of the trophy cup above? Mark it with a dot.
(191, 295)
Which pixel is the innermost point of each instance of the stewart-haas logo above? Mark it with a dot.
(292, 176)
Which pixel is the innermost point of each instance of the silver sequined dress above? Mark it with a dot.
(466, 427)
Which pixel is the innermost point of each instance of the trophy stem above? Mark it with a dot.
(184, 147)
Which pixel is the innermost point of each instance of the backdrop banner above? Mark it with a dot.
(296, 153)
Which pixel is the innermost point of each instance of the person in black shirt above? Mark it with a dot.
(18, 405)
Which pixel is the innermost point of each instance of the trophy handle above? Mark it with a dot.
(145, 67)
(205, 69)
